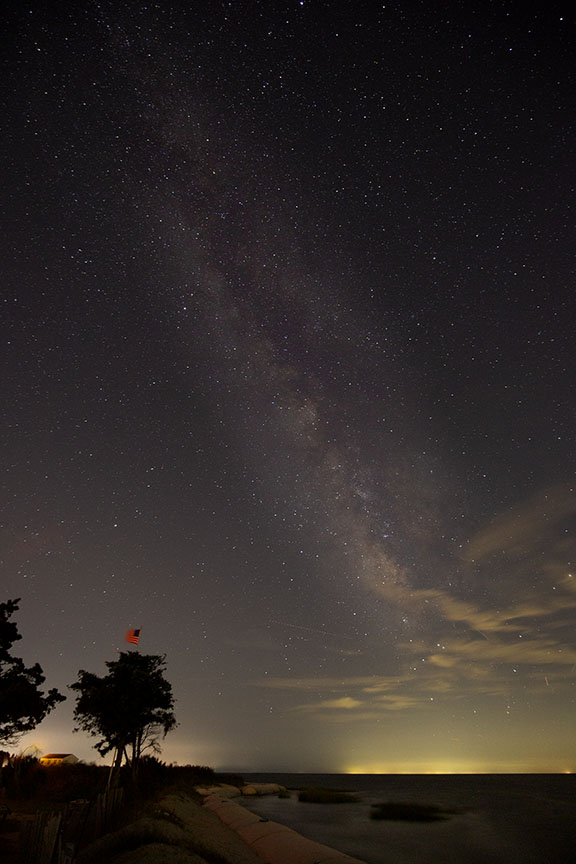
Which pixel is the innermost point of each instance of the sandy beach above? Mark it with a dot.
(180, 830)
(175, 830)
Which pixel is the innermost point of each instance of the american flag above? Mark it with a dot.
(133, 636)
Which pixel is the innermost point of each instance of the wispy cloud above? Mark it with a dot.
(328, 684)
(346, 703)
(519, 652)
(464, 667)
(523, 527)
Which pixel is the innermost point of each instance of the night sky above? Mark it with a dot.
(288, 310)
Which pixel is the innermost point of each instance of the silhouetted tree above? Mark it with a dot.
(22, 704)
(128, 709)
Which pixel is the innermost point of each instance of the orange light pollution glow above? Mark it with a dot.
(449, 768)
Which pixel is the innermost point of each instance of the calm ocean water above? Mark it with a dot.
(507, 818)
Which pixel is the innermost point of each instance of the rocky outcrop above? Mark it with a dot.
(224, 790)
(262, 789)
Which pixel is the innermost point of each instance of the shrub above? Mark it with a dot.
(22, 778)
(154, 775)
(69, 782)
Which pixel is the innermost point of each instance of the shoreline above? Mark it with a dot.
(178, 829)
(272, 841)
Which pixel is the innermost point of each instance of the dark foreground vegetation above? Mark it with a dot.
(30, 791)
(24, 782)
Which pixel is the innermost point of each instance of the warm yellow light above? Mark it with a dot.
(448, 767)
(443, 767)
(31, 750)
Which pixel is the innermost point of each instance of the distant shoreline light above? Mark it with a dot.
(454, 769)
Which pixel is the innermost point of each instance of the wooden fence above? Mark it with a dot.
(56, 838)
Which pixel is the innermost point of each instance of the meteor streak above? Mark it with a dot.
(310, 629)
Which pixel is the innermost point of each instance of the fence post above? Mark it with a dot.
(39, 839)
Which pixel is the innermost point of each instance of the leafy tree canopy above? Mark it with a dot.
(22, 704)
(129, 707)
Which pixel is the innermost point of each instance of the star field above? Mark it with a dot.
(287, 305)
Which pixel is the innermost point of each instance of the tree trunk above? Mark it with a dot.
(116, 764)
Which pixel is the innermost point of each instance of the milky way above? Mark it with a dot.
(289, 375)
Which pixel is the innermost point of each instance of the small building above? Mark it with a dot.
(59, 759)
